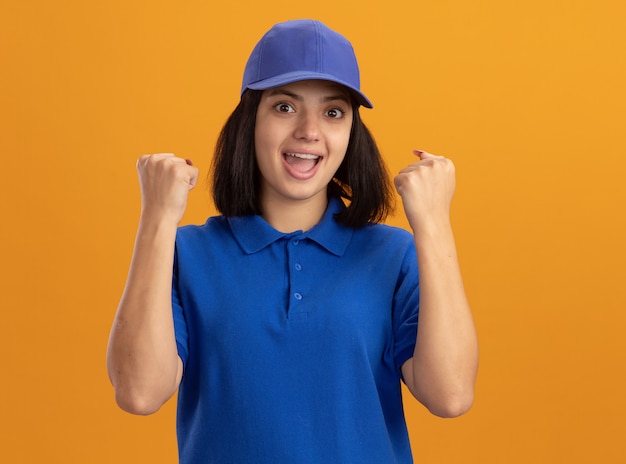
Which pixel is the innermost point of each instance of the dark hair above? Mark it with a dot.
(361, 179)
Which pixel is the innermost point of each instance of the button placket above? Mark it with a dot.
(295, 275)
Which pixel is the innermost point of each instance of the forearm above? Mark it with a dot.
(142, 357)
(445, 360)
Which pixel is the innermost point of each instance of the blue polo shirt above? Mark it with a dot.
(292, 343)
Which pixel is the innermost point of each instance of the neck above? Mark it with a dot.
(289, 216)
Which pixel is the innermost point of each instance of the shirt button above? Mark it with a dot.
(297, 296)
(298, 267)
(296, 242)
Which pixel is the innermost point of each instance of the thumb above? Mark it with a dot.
(422, 155)
(193, 177)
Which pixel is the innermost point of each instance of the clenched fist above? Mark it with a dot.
(165, 182)
(426, 188)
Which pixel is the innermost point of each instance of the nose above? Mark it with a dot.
(307, 128)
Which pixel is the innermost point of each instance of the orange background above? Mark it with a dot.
(527, 98)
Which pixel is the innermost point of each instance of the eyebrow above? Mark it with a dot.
(328, 98)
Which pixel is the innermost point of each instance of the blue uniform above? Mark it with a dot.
(292, 343)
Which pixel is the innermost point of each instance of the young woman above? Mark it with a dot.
(288, 323)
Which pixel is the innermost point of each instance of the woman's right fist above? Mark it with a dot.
(165, 181)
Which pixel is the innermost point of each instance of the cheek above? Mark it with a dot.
(341, 140)
(262, 141)
(268, 135)
(343, 136)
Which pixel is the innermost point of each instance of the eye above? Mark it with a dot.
(284, 108)
(335, 113)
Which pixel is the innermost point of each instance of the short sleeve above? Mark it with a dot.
(406, 307)
(180, 323)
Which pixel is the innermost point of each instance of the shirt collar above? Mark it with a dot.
(253, 233)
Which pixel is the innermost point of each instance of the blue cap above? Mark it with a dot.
(301, 50)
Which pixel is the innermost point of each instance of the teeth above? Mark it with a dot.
(303, 155)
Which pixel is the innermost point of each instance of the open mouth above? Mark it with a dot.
(301, 162)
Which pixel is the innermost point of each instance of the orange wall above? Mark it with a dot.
(528, 99)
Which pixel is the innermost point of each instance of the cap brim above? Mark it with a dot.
(292, 77)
